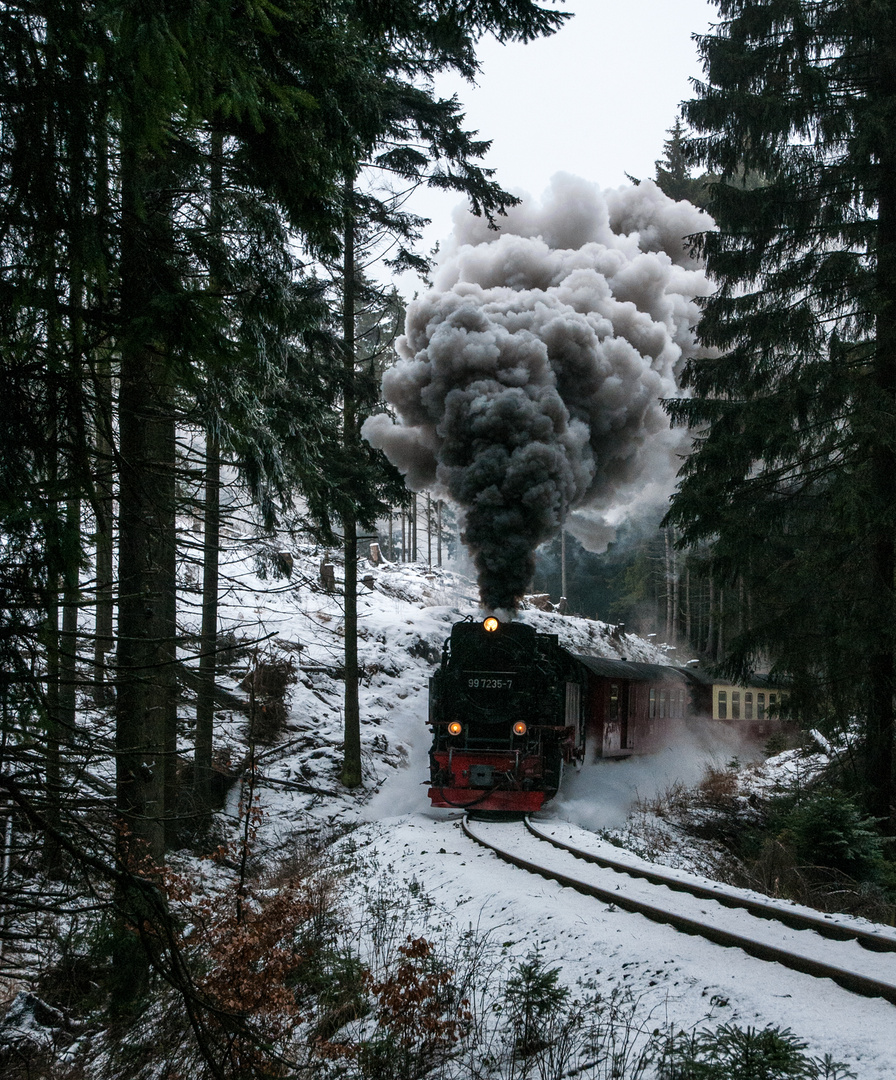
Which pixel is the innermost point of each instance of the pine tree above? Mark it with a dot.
(793, 476)
(418, 141)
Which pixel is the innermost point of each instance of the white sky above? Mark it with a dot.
(596, 99)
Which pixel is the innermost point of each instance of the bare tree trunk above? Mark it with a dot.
(711, 624)
(741, 606)
(667, 576)
(76, 434)
(563, 594)
(676, 589)
(687, 604)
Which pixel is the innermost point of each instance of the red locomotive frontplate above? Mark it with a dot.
(461, 789)
(458, 763)
(526, 802)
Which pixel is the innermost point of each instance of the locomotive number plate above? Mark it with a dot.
(489, 680)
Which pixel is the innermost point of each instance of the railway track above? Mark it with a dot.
(855, 959)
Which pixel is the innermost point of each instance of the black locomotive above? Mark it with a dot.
(509, 707)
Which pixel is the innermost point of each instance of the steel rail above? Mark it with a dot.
(796, 920)
(849, 980)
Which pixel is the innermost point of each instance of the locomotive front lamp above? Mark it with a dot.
(454, 728)
(519, 728)
(491, 624)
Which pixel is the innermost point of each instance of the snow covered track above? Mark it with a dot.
(798, 945)
(764, 909)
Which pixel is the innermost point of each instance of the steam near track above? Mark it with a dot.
(531, 375)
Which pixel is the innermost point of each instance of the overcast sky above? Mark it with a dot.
(596, 99)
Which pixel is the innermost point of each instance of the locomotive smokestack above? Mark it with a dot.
(531, 376)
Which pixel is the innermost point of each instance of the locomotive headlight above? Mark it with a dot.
(519, 728)
(491, 624)
(454, 728)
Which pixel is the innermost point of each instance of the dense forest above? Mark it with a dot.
(193, 197)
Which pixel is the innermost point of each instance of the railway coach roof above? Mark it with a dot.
(761, 682)
(631, 670)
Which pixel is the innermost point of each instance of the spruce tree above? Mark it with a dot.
(673, 171)
(793, 476)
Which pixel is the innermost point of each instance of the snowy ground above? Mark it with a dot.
(406, 613)
(674, 977)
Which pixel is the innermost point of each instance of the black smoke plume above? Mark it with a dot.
(530, 377)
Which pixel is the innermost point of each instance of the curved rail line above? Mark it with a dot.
(796, 920)
(851, 980)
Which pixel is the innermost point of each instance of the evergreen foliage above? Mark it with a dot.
(771, 1053)
(673, 171)
(793, 478)
(173, 176)
(827, 829)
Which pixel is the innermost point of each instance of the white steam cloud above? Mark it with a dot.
(531, 376)
(602, 794)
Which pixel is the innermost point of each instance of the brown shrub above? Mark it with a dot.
(718, 788)
(267, 683)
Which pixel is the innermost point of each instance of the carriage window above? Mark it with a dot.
(662, 704)
(651, 706)
(748, 705)
(680, 704)
(614, 701)
(723, 704)
(735, 704)
(760, 706)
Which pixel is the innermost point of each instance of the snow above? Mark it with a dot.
(405, 615)
(846, 955)
(673, 976)
(587, 841)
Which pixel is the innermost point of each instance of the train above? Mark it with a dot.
(510, 708)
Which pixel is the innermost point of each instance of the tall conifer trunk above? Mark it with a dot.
(165, 684)
(52, 754)
(208, 652)
(104, 456)
(144, 519)
(205, 695)
(883, 502)
(56, 471)
(76, 435)
(104, 525)
(351, 762)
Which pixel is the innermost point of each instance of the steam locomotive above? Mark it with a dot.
(509, 707)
